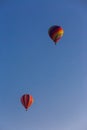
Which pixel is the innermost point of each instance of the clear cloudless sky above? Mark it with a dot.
(56, 76)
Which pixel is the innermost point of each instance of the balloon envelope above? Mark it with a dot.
(55, 32)
(27, 100)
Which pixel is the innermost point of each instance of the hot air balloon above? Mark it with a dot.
(27, 100)
(55, 32)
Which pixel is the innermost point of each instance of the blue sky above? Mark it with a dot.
(56, 76)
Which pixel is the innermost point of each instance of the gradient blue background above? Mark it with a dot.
(56, 76)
